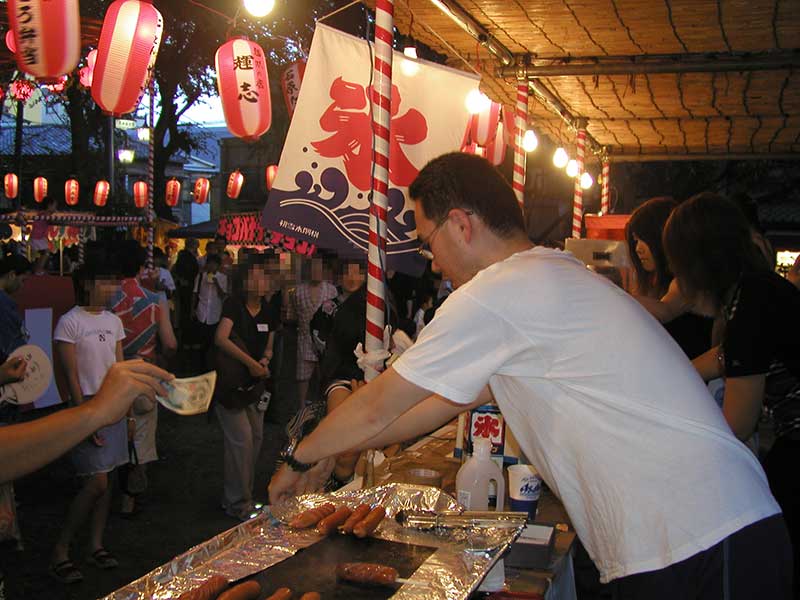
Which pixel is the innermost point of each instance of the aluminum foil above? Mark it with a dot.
(462, 559)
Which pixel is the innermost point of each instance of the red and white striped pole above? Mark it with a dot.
(520, 158)
(381, 121)
(577, 199)
(151, 175)
(605, 193)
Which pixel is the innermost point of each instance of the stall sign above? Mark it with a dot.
(247, 229)
(291, 79)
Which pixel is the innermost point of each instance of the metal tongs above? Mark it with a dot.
(419, 519)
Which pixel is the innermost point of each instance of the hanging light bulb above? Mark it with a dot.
(572, 168)
(409, 67)
(411, 52)
(477, 102)
(560, 158)
(529, 141)
(586, 180)
(259, 8)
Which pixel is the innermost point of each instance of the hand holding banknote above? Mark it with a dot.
(189, 395)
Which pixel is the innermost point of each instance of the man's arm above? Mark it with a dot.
(169, 345)
(709, 364)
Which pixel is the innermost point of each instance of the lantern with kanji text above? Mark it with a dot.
(201, 187)
(272, 173)
(235, 181)
(126, 55)
(39, 189)
(243, 88)
(11, 185)
(140, 194)
(101, 189)
(71, 192)
(173, 192)
(47, 36)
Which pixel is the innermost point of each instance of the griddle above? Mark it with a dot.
(313, 569)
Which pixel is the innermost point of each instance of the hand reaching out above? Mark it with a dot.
(13, 370)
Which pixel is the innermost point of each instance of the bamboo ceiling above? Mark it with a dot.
(693, 113)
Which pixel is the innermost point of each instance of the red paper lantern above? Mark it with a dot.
(87, 73)
(496, 148)
(483, 125)
(126, 55)
(47, 36)
(235, 182)
(140, 194)
(173, 192)
(272, 173)
(72, 192)
(11, 185)
(10, 43)
(243, 87)
(39, 189)
(201, 187)
(21, 89)
(291, 80)
(101, 189)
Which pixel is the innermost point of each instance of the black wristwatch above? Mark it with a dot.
(288, 457)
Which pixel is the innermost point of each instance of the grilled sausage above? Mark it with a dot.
(311, 596)
(312, 516)
(329, 524)
(249, 590)
(361, 511)
(208, 590)
(281, 594)
(369, 523)
(368, 573)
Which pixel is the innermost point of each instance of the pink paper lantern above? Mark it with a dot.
(47, 36)
(21, 89)
(496, 148)
(173, 193)
(243, 87)
(71, 192)
(140, 194)
(272, 173)
(39, 189)
(291, 79)
(483, 125)
(126, 55)
(11, 44)
(235, 182)
(101, 189)
(11, 185)
(87, 73)
(201, 187)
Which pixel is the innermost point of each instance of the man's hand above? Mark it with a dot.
(13, 370)
(258, 370)
(286, 483)
(124, 382)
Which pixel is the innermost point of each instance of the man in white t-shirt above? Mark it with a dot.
(667, 502)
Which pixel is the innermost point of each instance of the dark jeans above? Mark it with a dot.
(755, 563)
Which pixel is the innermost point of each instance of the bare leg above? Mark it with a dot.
(81, 506)
(97, 525)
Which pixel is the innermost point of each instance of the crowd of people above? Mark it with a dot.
(610, 404)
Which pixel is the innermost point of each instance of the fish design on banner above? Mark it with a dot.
(321, 192)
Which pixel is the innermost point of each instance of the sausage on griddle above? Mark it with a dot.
(361, 511)
(370, 523)
(249, 590)
(283, 593)
(329, 524)
(311, 596)
(368, 573)
(312, 516)
(208, 590)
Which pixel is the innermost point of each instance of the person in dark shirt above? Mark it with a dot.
(13, 272)
(712, 254)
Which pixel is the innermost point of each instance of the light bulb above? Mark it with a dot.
(560, 158)
(572, 168)
(586, 180)
(529, 141)
(477, 102)
(410, 52)
(259, 8)
(409, 67)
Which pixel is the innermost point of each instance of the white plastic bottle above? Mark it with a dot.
(474, 478)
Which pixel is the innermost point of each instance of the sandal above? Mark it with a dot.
(103, 559)
(66, 572)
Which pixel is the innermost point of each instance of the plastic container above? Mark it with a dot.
(476, 476)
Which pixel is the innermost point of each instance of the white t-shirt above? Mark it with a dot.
(95, 337)
(209, 300)
(165, 277)
(603, 402)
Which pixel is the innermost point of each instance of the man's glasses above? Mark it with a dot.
(424, 249)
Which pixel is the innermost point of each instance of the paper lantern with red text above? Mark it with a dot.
(126, 55)
(291, 80)
(47, 36)
(272, 173)
(201, 187)
(11, 185)
(39, 188)
(243, 88)
(140, 193)
(101, 189)
(235, 182)
(173, 192)
(71, 192)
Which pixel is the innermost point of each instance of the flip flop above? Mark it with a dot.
(103, 559)
(66, 572)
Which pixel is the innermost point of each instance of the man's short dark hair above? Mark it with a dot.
(459, 180)
(130, 258)
(14, 262)
(214, 258)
